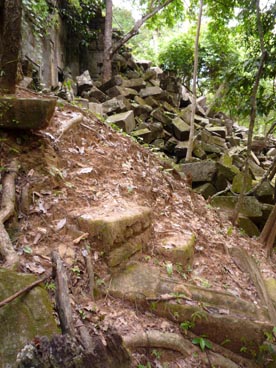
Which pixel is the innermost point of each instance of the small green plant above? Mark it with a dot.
(153, 306)
(76, 270)
(243, 349)
(202, 342)
(82, 314)
(144, 366)
(51, 286)
(199, 315)
(229, 231)
(156, 354)
(100, 282)
(169, 269)
(186, 326)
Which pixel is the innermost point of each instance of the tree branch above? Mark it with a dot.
(135, 30)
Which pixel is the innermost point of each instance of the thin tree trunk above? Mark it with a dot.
(192, 123)
(268, 234)
(10, 43)
(253, 102)
(107, 62)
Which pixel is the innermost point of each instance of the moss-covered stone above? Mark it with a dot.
(239, 181)
(24, 318)
(179, 249)
(26, 113)
(248, 226)
(250, 207)
(206, 190)
(115, 225)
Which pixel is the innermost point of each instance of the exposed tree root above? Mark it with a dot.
(176, 342)
(247, 264)
(7, 251)
(68, 125)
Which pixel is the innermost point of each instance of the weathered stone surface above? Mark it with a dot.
(152, 102)
(250, 207)
(212, 139)
(211, 148)
(96, 108)
(226, 168)
(144, 134)
(248, 226)
(139, 281)
(118, 90)
(82, 102)
(181, 149)
(265, 192)
(135, 83)
(220, 131)
(114, 105)
(84, 82)
(26, 113)
(97, 94)
(179, 249)
(200, 171)
(24, 318)
(124, 120)
(160, 115)
(198, 151)
(206, 190)
(150, 91)
(143, 111)
(238, 183)
(115, 225)
(122, 254)
(181, 129)
(117, 80)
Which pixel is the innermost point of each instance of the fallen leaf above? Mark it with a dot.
(60, 224)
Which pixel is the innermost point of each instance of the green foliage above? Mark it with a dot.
(187, 325)
(202, 342)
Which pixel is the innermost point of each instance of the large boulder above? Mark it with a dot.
(26, 113)
(84, 82)
(24, 318)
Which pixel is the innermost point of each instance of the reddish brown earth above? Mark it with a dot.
(91, 165)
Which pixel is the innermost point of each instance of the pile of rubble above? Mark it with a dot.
(155, 108)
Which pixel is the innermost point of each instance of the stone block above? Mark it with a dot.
(181, 149)
(26, 113)
(181, 130)
(114, 105)
(136, 83)
(84, 82)
(220, 131)
(170, 145)
(97, 94)
(118, 90)
(248, 226)
(152, 102)
(200, 171)
(238, 183)
(179, 249)
(96, 108)
(150, 91)
(23, 319)
(206, 190)
(114, 225)
(117, 80)
(207, 137)
(145, 134)
(160, 115)
(250, 207)
(124, 120)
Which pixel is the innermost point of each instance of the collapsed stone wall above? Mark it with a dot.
(155, 108)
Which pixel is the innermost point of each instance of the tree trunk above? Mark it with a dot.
(253, 112)
(10, 43)
(268, 234)
(192, 123)
(107, 62)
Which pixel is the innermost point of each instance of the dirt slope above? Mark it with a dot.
(90, 166)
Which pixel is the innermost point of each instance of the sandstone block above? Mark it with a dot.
(115, 225)
(124, 120)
